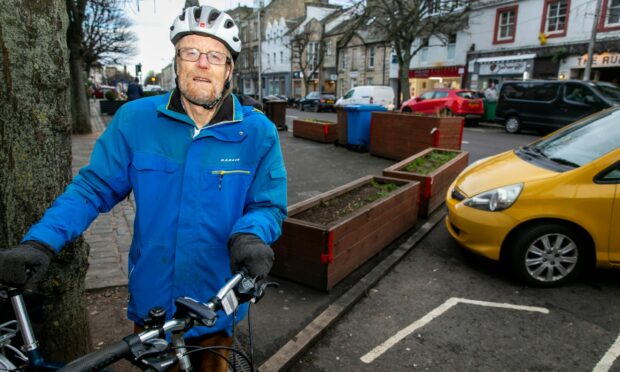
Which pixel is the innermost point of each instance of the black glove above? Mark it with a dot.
(26, 264)
(249, 252)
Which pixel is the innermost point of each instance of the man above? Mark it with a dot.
(208, 178)
(134, 90)
(490, 94)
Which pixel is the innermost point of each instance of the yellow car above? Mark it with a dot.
(548, 209)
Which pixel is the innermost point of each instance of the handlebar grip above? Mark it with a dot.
(97, 360)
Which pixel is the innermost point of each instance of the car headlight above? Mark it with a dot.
(497, 199)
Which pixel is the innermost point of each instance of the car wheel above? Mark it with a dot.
(316, 108)
(301, 107)
(513, 125)
(547, 255)
(407, 109)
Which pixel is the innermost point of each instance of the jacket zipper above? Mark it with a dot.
(222, 173)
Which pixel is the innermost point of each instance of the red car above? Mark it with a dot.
(459, 102)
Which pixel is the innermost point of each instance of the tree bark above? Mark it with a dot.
(35, 158)
(80, 110)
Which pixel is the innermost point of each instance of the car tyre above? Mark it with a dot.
(301, 107)
(513, 125)
(316, 108)
(547, 255)
(407, 109)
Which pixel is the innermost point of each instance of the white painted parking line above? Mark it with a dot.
(465, 142)
(292, 116)
(387, 344)
(608, 359)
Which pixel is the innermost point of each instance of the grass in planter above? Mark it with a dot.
(333, 209)
(429, 162)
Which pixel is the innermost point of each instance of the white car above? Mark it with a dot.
(369, 94)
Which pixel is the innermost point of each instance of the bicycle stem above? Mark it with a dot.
(21, 315)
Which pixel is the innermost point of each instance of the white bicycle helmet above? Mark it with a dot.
(206, 20)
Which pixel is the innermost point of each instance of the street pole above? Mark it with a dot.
(597, 14)
(260, 57)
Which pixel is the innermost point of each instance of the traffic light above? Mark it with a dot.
(153, 79)
(138, 69)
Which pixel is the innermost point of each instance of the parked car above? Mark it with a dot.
(318, 102)
(459, 102)
(548, 105)
(549, 209)
(100, 91)
(369, 94)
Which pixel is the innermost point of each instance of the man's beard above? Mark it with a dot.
(198, 99)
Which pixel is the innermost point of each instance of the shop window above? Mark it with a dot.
(505, 25)
(610, 16)
(555, 18)
(369, 81)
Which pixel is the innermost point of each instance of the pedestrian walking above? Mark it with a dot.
(134, 90)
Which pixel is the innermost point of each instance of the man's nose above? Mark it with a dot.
(203, 62)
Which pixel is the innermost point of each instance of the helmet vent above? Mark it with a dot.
(235, 39)
(197, 12)
(213, 16)
(229, 24)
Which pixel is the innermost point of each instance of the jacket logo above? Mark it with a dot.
(230, 160)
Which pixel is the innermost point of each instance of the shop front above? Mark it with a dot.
(330, 77)
(423, 79)
(277, 84)
(605, 67)
(498, 69)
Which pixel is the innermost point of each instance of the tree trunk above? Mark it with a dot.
(80, 109)
(403, 75)
(35, 158)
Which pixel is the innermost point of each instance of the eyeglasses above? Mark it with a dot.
(193, 55)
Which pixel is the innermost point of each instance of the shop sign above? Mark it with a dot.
(503, 68)
(601, 60)
(448, 71)
(353, 74)
(333, 77)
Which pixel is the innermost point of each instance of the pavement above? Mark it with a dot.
(303, 313)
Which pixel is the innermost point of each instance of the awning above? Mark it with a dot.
(516, 57)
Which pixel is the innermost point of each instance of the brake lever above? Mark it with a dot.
(260, 290)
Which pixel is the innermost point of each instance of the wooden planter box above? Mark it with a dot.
(399, 135)
(433, 186)
(110, 107)
(317, 131)
(322, 255)
(342, 126)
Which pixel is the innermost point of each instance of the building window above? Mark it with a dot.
(343, 59)
(394, 56)
(281, 57)
(555, 17)
(451, 46)
(328, 48)
(610, 16)
(424, 51)
(505, 25)
(369, 81)
(371, 57)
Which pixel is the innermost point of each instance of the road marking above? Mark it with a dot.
(292, 116)
(608, 359)
(451, 302)
(465, 142)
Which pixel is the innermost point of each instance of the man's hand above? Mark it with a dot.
(249, 252)
(26, 264)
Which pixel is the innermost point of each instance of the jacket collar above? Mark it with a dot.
(230, 110)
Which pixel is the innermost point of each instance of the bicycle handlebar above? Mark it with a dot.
(99, 359)
(189, 310)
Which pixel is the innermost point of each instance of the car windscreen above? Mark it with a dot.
(609, 91)
(581, 143)
(328, 96)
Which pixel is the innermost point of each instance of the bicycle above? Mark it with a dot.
(149, 350)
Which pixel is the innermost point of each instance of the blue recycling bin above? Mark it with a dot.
(358, 125)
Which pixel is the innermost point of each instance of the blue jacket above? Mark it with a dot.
(193, 189)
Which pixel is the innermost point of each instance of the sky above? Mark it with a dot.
(151, 24)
